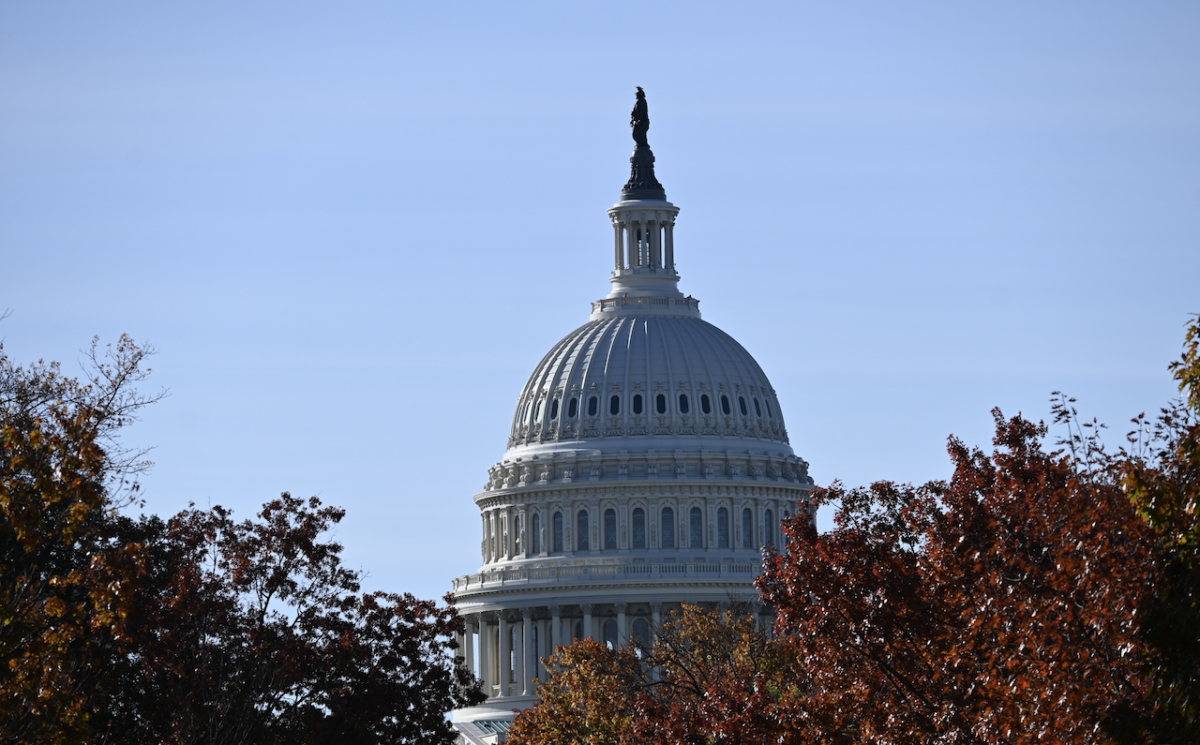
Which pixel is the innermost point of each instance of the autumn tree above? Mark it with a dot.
(64, 580)
(710, 677)
(257, 633)
(1039, 595)
(199, 628)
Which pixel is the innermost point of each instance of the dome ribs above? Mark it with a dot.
(648, 355)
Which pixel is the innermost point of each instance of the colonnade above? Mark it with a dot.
(644, 244)
(511, 645)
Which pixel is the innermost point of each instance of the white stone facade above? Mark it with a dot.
(647, 465)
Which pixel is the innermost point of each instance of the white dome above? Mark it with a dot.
(644, 381)
(647, 465)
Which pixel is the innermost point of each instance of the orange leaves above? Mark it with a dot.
(710, 677)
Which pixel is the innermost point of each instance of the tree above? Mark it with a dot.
(710, 677)
(1036, 596)
(197, 628)
(1162, 478)
(64, 582)
(589, 698)
(258, 634)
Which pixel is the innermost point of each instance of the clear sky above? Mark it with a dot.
(353, 229)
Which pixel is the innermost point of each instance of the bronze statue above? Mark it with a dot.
(639, 119)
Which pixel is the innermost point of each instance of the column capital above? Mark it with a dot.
(526, 613)
(621, 607)
(656, 607)
(586, 608)
(556, 610)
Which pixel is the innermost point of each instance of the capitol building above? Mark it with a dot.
(646, 466)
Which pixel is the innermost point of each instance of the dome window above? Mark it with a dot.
(582, 542)
(725, 404)
(768, 528)
(757, 408)
(667, 527)
(637, 404)
(558, 532)
(722, 527)
(610, 529)
(517, 535)
(767, 403)
(535, 536)
(660, 404)
(747, 529)
(742, 405)
(639, 528)
(614, 405)
(554, 409)
(705, 404)
(537, 410)
(695, 528)
(593, 405)
(573, 408)
(683, 404)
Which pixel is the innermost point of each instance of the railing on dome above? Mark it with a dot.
(644, 302)
(606, 573)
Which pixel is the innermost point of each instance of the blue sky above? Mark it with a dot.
(353, 229)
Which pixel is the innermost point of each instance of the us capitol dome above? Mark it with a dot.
(647, 465)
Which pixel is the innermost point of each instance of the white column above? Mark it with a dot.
(621, 635)
(587, 621)
(469, 647)
(556, 635)
(631, 259)
(502, 671)
(528, 653)
(618, 247)
(670, 241)
(655, 249)
(485, 654)
(655, 621)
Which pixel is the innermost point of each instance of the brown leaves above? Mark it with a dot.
(202, 628)
(710, 677)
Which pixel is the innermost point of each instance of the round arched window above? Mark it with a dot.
(573, 408)
(610, 529)
(637, 403)
(742, 405)
(725, 404)
(593, 405)
(554, 409)
(614, 405)
(667, 528)
(660, 404)
(705, 406)
(757, 408)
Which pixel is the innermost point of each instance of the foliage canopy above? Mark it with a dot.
(199, 628)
